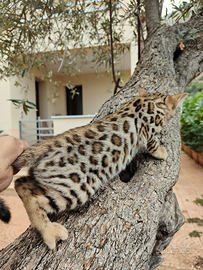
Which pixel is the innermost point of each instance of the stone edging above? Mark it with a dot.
(194, 155)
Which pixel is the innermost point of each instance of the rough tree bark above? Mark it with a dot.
(127, 225)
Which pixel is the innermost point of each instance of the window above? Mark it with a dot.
(74, 103)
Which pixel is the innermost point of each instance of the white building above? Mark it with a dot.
(94, 90)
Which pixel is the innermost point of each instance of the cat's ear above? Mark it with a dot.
(180, 98)
(142, 92)
(176, 100)
(172, 102)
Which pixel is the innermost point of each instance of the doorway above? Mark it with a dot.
(74, 104)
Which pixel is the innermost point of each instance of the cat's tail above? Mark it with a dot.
(5, 214)
(32, 155)
(25, 159)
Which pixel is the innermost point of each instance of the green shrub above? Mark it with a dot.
(194, 87)
(192, 122)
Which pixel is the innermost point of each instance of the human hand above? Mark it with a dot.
(10, 149)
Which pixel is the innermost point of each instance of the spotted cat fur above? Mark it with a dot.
(65, 171)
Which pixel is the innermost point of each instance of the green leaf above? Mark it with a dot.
(189, 38)
(29, 107)
(116, 39)
(194, 31)
(195, 220)
(25, 108)
(23, 73)
(195, 234)
(186, 33)
(199, 201)
(31, 103)
(127, 46)
(16, 102)
(179, 33)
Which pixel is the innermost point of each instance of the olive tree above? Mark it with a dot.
(128, 224)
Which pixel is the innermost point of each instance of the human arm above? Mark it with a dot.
(10, 149)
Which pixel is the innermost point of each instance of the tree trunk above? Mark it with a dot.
(127, 225)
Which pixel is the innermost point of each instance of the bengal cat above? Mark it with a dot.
(65, 171)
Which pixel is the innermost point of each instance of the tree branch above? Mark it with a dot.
(152, 15)
(160, 8)
(69, 18)
(138, 29)
(167, 228)
(188, 63)
(116, 81)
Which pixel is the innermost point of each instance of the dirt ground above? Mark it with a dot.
(186, 252)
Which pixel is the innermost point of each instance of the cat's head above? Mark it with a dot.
(170, 103)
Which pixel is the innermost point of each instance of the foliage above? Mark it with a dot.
(25, 104)
(40, 34)
(190, 34)
(195, 220)
(192, 122)
(36, 33)
(195, 234)
(186, 9)
(199, 201)
(194, 87)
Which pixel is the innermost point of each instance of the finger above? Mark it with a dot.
(6, 178)
(25, 145)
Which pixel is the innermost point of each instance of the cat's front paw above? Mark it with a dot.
(160, 153)
(54, 231)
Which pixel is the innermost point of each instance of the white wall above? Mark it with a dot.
(64, 123)
(96, 90)
(5, 107)
(10, 116)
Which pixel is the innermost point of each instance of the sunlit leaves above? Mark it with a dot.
(25, 104)
(186, 9)
(190, 34)
(34, 33)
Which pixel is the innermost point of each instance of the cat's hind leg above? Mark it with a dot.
(37, 204)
